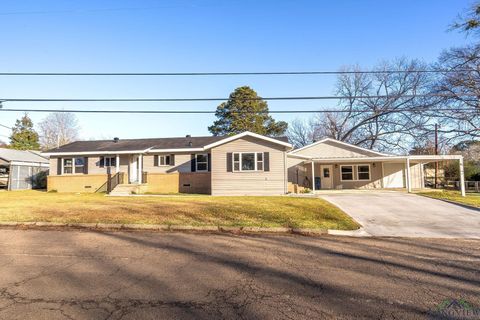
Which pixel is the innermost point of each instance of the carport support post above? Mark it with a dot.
(140, 158)
(409, 181)
(462, 177)
(313, 176)
(117, 164)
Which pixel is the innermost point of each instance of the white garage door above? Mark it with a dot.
(393, 175)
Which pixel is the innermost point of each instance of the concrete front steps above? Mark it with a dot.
(123, 190)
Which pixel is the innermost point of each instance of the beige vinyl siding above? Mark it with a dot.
(182, 163)
(329, 149)
(272, 182)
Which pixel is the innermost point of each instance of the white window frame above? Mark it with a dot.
(353, 172)
(165, 156)
(369, 172)
(196, 162)
(240, 162)
(355, 175)
(73, 165)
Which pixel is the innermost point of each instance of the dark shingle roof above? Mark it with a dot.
(141, 144)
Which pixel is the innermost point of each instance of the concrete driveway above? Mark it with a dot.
(397, 214)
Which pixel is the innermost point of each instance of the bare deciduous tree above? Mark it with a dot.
(58, 129)
(461, 88)
(301, 133)
(393, 121)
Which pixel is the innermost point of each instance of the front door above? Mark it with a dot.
(133, 172)
(326, 176)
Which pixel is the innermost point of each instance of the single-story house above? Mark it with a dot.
(246, 163)
(242, 164)
(21, 170)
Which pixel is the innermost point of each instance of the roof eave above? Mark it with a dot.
(244, 134)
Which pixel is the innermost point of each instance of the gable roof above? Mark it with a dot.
(177, 144)
(341, 144)
(277, 140)
(21, 156)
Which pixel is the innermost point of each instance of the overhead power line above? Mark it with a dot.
(266, 73)
(225, 99)
(238, 112)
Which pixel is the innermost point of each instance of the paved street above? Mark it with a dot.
(399, 214)
(133, 275)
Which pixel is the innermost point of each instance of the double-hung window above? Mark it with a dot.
(346, 173)
(164, 160)
(68, 165)
(79, 165)
(363, 172)
(248, 161)
(201, 162)
(110, 161)
(73, 165)
(360, 172)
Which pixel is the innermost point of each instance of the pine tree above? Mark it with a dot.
(24, 137)
(245, 111)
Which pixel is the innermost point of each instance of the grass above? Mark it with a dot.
(198, 210)
(472, 199)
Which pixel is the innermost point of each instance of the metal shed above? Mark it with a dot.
(22, 170)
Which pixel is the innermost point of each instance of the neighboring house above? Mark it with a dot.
(332, 164)
(243, 164)
(20, 170)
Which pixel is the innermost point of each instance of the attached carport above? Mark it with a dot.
(396, 171)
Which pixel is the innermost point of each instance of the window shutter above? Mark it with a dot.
(155, 160)
(209, 162)
(85, 165)
(59, 166)
(172, 159)
(266, 161)
(102, 162)
(229, 162)
(192, 163)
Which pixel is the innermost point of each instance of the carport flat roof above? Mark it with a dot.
(413, 158)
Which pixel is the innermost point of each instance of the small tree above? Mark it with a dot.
(23, 136)
(245, 111)
(58, 129)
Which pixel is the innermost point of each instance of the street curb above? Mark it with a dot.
(161, 227)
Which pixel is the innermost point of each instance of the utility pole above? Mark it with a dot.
(436, 153)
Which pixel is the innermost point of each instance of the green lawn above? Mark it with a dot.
(174, 210)
(472, 199)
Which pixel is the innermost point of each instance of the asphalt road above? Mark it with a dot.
(132, 275)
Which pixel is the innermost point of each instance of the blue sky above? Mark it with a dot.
(196, 36)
